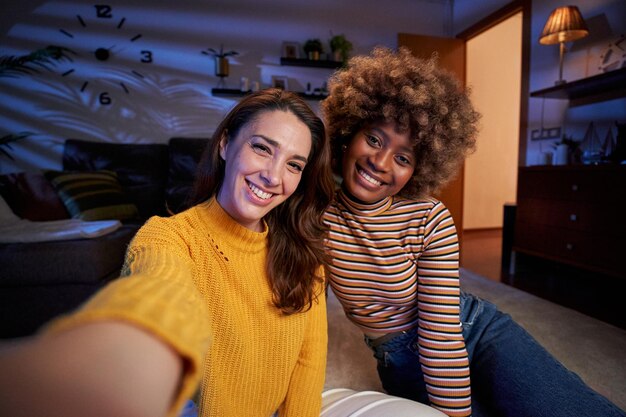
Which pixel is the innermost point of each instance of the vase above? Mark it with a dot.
(561, 155)
(221, 66)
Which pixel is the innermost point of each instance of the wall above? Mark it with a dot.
(172, 97)
(467, 12)
(606, 20)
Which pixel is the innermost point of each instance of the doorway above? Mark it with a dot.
(453, 51)
(493, 72)
(497, 71)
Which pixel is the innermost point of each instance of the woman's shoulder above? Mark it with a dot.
(423, 203)
(177, 224)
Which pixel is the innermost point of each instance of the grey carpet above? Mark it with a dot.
(593, 349)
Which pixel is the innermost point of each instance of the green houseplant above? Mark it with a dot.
(313, 48)
(340, 47)
(12, 66)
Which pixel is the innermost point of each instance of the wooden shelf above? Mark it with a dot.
(232, 92)
(228, 92)
(602, 87)
(300, 62)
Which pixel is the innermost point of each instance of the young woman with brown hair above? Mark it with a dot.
(228, 293)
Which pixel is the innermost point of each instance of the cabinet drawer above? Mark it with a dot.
(603, 219)
(590, 250)
(575, 184)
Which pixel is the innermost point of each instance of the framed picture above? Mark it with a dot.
(291, 50)
(280, 82)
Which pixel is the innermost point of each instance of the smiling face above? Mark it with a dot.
(377, 163)
(264, 165)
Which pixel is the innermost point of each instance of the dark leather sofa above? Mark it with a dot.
(41, 280)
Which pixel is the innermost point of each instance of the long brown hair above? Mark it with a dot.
(296, 229)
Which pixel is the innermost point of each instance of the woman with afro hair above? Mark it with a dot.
(399, 127)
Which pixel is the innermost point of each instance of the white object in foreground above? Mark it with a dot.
(342, 402)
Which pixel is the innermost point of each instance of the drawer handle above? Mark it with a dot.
(569, 246)
(573, 217)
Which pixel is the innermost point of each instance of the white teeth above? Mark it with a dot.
(259, 193)
(369, 179)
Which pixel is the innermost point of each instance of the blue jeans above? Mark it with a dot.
(511, 374)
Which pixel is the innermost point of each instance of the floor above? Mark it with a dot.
(596, 295)
(482, 252)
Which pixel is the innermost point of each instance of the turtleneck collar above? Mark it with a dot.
(218, 220)
(364, 209)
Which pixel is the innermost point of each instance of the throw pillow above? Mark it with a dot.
(92, 195)
(31, 196)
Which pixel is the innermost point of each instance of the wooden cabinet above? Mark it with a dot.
(574, 215)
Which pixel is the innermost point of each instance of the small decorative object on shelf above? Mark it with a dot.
(340, 47)
(280, 82)
(609, 144)
(619, 154)
(313, 48)
(613, 56)
(222, 66)
(244, 84)
(291, 50)
(591, 147)
(566, 152)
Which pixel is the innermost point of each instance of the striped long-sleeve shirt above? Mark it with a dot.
(395, 267)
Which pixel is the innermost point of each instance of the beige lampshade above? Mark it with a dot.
(565, 24)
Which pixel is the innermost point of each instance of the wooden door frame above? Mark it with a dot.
(487, 23)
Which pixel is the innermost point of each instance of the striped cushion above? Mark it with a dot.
(93, 195)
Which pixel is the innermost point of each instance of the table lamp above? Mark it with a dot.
(565, 24)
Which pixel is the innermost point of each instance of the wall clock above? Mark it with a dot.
(103, 41)
(614, 56)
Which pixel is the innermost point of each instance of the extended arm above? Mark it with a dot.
(97, 369)
(443, 355)
(133, 349)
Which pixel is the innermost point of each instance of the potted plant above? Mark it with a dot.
(45, 58)
(340, 47)
(12, 66)
(313, 48)
(222, 66)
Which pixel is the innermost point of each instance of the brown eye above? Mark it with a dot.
(296, 166)
(403, 160)
(373, 140)
(260, 148)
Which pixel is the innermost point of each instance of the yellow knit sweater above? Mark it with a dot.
(198, 281)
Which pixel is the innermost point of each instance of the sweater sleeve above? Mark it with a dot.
(443, 355)
(304, 396)
(156, 293)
